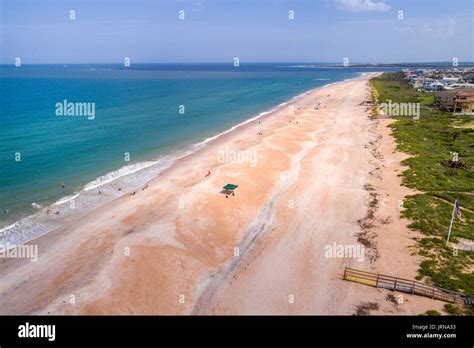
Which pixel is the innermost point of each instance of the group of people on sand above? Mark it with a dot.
(63, 186)
(135, 192)
(49, 211)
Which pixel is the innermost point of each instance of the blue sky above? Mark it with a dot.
(146, 31)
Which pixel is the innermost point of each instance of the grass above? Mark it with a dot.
(452, 309)
(431, 142)
(430, 213)
(366, 307)
(391, 86)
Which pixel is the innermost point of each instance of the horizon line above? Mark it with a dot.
(244, 63)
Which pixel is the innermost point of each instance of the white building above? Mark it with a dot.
(434, 87)
(460, 85)
(448, 81)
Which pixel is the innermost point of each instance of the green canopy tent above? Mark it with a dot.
(229, 189)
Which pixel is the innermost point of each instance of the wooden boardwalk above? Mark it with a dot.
(407, 286)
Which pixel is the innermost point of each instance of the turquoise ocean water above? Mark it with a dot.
(137, 130)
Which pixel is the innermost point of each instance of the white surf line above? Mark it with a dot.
(259, 227)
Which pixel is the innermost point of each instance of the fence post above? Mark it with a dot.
(413, 290)
(395, 284)
(377, 281)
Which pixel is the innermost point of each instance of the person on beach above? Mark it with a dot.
(208, 173)
(120, 189)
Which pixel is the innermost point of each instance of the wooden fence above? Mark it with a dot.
(407, 286)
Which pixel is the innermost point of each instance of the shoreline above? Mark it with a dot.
(136, 168)
(181, 247)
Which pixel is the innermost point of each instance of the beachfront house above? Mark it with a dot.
(458, 85)
(418, 82)
(464, 102)
(468, 78)
(448, 81)
(457, 101)
(427, 81)
(444, 100)
(434, 87)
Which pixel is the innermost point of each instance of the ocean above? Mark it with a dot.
(70, 131)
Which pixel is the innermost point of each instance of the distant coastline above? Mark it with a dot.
(425, 65)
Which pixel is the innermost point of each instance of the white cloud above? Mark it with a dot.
(362, 5)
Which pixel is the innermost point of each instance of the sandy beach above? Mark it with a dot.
(315, 172)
